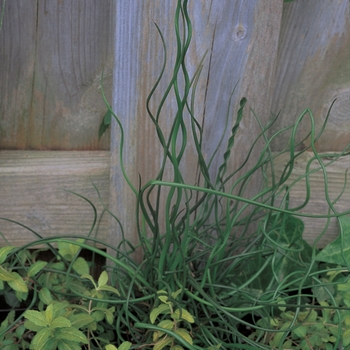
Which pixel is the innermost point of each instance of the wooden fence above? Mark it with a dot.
(286, 56)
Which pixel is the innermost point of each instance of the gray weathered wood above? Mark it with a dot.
(313, 69)
(51, 56)
(32, 192)
(241, 40)
(317, 204)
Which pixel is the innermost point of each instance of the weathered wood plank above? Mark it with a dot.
(313, 69)
(317, 204)
(241, 40)
(32, 185)
(17, 61)
(52, 54)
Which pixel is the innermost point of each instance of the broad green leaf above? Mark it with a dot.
(307, 316)
(300, 331)
(6, 275)
(18, 284)
(103, 279)
(183, 333)
(45, 296)
(162, 343)
(166, 324)
(81, 266)
(292, 252)
(338, 250)
(161, 309)
(81, 320)
(59, 308)
(20, 331)
(69, 250)
(40, 339)
(109, 289)
(176, 294)
(49, 313)
(183, 315)
(98, 315)
(177, 347)
(346, 318)
(21, 296)
(163, 297)
(32, 326)
(60, 322)
(89, 277)
(111, 347)
(4, 251)
(35, 268)
(283, 302)
(110, 315)
(36, 317)
(71, 334)
(275, 342)
(285, 229)
(126, 345)
(67, 345)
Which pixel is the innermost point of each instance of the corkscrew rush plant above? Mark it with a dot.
(216, 262)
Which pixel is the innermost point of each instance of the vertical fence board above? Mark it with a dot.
(50, 95)
(17, 60)
(313, 69)
(241, 42)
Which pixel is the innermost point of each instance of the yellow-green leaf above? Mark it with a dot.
(162, 343)
(18, 284)
(40, 339)
(176, 294)
(166, 324)
(163, 297)
(103, 279)
(346, 337)
(110, 347)
(35, 268)
(89, 277)
(49, 313)
(109, 289)
(161, 309)
(126, 345)
(300, 331)
(110, 315)
(72, 334)
(45, 296)
(176, 347)
(4, 251)
(81, 320)
(183, 315)
(81, 266)
(60, 322)
(183, 333)
(36, 317)
(6, 275)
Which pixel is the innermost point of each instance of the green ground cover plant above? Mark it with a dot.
(220, 270)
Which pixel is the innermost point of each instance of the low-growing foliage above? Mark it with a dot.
(220, 269)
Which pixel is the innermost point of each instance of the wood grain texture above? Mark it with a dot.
(240, 39)
(52, 54)
(32, 192)
(317, 204)
(313, 69)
